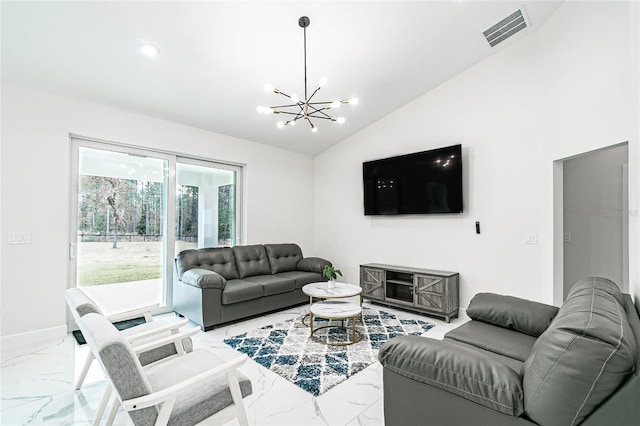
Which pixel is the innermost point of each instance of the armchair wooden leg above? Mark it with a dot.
(103, 404)
(84, 371)
(236, 395)
(113, 410)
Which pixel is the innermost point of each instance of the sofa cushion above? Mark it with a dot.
(283, 257)
(312, 264)
(251, 260)
(240, 290)
(203, 278)
(500, 340)
(585, 354)
(217, 259)
(513, 363)
(455, 369)
(303, 278)
(514, 313)
(273, 284)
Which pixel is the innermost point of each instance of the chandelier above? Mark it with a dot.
(305, 109)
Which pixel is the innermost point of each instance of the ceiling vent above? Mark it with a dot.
(506, 28)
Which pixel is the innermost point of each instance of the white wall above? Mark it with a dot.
(560, 91)
(35, 191)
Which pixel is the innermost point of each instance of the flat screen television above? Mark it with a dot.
(419, 183)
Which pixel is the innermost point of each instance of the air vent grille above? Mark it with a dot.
(505, 28)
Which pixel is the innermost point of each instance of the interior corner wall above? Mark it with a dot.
(35, 191)
(560, 91)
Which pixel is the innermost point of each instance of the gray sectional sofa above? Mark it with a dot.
(212, 286)
(519, 362)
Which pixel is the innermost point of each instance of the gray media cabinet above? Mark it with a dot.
(422, 290)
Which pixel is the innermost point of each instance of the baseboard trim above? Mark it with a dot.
(34, 337)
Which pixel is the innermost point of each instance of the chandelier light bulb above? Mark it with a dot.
(354, 101)
(295, 98)
(323, 82)
(148, 49)
(335, 104)
(280, 124)
(268, 88)
(261, 109)
(314, 129)
(340, 120)
(292, 123)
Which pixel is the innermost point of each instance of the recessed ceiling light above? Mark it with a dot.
(148, 49)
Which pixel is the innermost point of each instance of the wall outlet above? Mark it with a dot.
(19, 237)
(566, 237)
(531, 238)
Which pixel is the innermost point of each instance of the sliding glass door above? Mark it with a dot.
(133, 210)
(206, 204)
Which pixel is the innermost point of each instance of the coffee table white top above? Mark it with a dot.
(321, 290)
(335, 309)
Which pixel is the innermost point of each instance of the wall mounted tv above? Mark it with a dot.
(419, 183)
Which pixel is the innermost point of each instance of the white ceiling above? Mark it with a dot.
(215, 56)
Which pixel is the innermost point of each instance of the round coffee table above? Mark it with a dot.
(336, 310)
(321, 290)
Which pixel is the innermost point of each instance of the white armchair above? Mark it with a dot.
(80, 304)
(185, 389)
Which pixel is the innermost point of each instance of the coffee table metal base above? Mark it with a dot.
(335, 310)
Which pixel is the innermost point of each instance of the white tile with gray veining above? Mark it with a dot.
(37, 383)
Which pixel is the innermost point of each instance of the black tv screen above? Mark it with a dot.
(419, 183)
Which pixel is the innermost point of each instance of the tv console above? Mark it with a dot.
(421, 290)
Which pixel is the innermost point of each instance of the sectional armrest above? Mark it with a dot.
(203, 278)
(312, 264)
(510, 312)
(457, 370)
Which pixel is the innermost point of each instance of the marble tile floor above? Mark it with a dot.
(37, 383)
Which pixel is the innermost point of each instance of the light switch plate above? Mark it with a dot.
(531, 238)
(19, 237)
(566, 237)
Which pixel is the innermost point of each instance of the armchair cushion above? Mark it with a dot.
(202, 400)
(79, 302)
(283, 257)
(312, 264)
(510, 312)
(203, 278)
(455, 369)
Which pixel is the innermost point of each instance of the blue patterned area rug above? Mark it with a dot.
(286, 348)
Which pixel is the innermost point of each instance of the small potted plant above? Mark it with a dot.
(331, 273)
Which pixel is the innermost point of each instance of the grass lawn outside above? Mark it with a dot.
(99, 263)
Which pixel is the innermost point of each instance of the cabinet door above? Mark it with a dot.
(372, 283)
(429, 291)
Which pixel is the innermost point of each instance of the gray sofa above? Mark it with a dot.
(212, 286)
(519, 362)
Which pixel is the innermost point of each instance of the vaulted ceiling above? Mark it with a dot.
(216, 56)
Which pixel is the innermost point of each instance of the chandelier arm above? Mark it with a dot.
(313, 94)
(284, 106)
(320, 103)
(290, 113)
(305, 61)
(320, 117)
(320, 111)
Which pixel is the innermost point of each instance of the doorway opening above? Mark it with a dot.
(591, 214)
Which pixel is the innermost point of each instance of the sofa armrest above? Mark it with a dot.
(312, 264)
(510, 312)
(455, 369)
(203, 278)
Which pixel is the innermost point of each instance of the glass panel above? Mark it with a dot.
(205, 206)
(121, 218)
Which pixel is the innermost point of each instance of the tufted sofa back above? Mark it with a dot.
(591, 321)
(283, 257)
(219, 259)
(251, 260)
